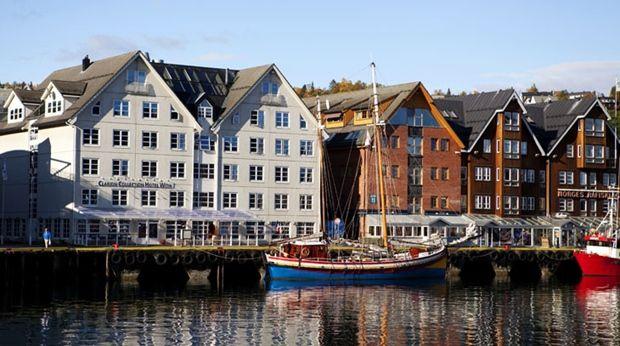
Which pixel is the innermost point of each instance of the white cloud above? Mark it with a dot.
(573, 76)
(97, 46)
(216, 56)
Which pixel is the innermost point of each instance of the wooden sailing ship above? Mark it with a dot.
(311, 260)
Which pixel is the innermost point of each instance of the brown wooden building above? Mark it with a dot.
(421, 157)
(581, 156)
(503, 162)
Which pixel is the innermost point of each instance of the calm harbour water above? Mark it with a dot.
(433, 313)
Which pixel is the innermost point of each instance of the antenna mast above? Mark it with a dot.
(378, 146)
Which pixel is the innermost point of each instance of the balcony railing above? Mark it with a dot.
(273, 100)
(139, 89)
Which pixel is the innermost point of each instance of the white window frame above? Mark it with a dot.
(121, 108)
(123, 138)
(282, 120)
(150, 110)
(231, 144)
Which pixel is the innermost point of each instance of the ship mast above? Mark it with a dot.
(378, 144)
(322, 222)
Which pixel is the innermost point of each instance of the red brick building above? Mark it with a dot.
(421, 157)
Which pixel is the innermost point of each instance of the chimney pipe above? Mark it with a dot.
(85, 63)
(226, 77)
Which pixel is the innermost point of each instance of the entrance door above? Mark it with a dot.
(147, 232)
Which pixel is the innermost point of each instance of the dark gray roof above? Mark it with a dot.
(193, 84)
(473, 111)
(29, 96)
(70, 87)
(553, 119)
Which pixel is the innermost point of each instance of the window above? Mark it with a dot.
(281, 175)
(305, 228)
(120, 168)
(119, 197)
(257, 118)
(583, 205)
(149, 198)
(434, 202)
(149, 140)
(174, 115)
(302, 123)
(593, 178)
(395, 171)
(89, 197)
(205, 111)
(269, 88)
(583, 178)
(486, 146)
(445, 144)
(595, 153)
(120, 138)
(136, 76)
(257, 146)
(566, 178)
(523, 148)
(207, 143)
(570, 151)
(149, 110)
(256, 173)
(592, 207)
(305, 175)
(231, 144)
(511, 204)
(482, 202)
(53, 105)
(414, 145)
(16, 114)
(482, 173)
(281, 147)
(416, 176)
(511, 121)
(566, 204)
(511, 149)
(542, 177)
(204, 199)
(595, 127)
(305, 202)
(443, 202)
(149, 169)
(96, 108)
(177, 199)
(229, 200)
(511, 177)
(433, 174)
(306, 147)
(527, 175)
(121, 108)
(395, 142)
(528, 203)
(434, 144)
(90, 137)
(231, 172)
(281, 201)
(235, 119)
(282, 120)
(255, 201)
(177, 141)
(90, 166)
(609, 179)
(177, 170)
(204, 170)
(445, 173)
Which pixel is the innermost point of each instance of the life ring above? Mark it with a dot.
(130, 259)
(305, 252)
(141, 257)
(160, 258)
(187, 258)
(175, 259)
(116, 258)
(201, 257)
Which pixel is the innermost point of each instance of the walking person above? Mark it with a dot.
(47, 237)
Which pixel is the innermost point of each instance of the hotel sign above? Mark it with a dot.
(576, 193)
(136, 184)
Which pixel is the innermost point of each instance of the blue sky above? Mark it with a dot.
(461, 45)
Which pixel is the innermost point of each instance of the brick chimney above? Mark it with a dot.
(85, 63)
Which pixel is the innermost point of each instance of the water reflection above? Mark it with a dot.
(387, 314)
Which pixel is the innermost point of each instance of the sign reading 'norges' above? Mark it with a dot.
(583, 194)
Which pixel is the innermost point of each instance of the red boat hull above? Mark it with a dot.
(596, 265)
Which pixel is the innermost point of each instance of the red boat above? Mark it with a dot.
(601, 256)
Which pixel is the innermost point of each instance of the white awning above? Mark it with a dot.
(419, 220)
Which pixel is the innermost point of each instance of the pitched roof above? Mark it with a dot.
(243, 82)
(70, 87)
(29, 96)
(554, 119)
(473, 111)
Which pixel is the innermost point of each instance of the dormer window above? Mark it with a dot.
(136, 76)
(96, 110)
(205, 110)
(16, 114)
(53, 104)
(595, 127)
(363, 114)
(270, 88)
